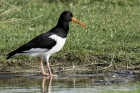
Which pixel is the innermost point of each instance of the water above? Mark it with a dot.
(62, 84)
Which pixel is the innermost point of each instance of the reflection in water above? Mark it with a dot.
(48, 85)
(67, 84)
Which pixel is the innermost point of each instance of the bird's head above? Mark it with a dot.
(67, 16)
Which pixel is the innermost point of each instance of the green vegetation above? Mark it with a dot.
(113, 27)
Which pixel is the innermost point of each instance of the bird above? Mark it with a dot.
(48, 43)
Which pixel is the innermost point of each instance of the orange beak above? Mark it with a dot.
(77, 21)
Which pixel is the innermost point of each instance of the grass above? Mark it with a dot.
(113, 27)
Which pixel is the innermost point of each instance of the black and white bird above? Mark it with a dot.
(48, 43)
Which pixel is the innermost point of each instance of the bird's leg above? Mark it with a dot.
(42, 68)
(50, 73)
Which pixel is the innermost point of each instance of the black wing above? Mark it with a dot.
(41, 41)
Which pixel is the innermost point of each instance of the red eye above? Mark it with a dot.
(68, 14)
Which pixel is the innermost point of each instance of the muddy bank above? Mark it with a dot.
(112, 72)
(74, 65)
(66, 67)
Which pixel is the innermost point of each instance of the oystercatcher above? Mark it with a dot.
(49, 42)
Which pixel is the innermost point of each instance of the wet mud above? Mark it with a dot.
(117, 73)
(112, 70)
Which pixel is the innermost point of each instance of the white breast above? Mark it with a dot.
(59, 44)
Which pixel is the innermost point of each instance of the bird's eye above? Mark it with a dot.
(68, 14)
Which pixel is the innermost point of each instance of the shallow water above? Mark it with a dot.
(32, 83)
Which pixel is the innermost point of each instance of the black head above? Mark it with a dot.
(63, 23)
(66, 16)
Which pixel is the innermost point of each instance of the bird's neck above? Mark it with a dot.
(61, 29)
(64, 25)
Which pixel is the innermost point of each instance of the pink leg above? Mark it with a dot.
(42, 68)
(50, 73)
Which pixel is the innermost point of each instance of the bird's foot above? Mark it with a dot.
(53, 75)
(47, 74)
(44, 73)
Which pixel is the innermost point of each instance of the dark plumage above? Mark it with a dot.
(37, 42)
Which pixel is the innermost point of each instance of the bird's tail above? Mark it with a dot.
(11, 54)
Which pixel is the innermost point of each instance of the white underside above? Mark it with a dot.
(44, 52)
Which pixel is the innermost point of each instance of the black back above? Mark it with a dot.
(43, 40)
